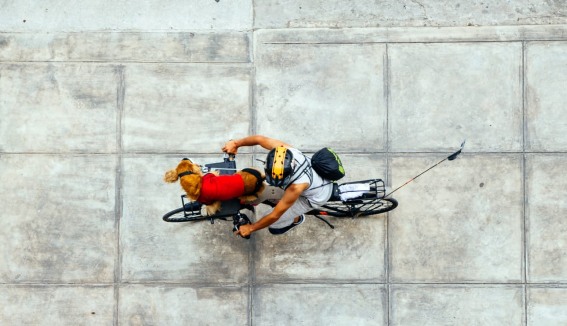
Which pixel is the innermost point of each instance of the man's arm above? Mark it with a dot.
(291, 194)
(268, 143)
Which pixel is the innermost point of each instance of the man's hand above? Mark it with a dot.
(244, 230)
(290, 195)
(230, 147)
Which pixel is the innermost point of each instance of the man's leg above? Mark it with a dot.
(292, 217)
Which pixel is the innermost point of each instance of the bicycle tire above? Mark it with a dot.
(178, 215)
(342, 209)
(392, 204)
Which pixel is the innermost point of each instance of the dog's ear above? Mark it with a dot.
(195, 169)
(171, 176)
(192, 185)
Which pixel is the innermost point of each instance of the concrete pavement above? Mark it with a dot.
(97, 101)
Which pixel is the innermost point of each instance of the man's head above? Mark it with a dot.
(279, 166)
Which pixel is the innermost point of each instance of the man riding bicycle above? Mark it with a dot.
(287, 168)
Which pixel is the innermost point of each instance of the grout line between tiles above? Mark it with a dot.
(524, 189)
(121, 91)
(253, 130)
(387, 253)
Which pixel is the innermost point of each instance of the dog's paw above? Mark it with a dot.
(204, 211)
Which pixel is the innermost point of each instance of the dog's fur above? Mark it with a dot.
(191, 183)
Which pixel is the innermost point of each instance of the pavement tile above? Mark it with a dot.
(309, 304)
(354, 250)
(546, 81)
(444, 93)
(322, 95)
(190, 108)
(58, 107)
(182, 305)
(108, 15)
(126, 46)
(362, 167)
(368, 13)
(456, 305)
(546, 210)
(547, 306)
(153, 250)
(57, 220)
(460, 222)
(56, 305)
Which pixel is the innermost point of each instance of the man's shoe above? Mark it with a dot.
(289, 227)
(301, 219)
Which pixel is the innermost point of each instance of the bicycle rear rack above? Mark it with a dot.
(367, 201)
(377, 190)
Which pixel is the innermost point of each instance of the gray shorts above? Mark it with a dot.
(301, 206)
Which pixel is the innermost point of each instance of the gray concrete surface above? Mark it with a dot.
(98, 100)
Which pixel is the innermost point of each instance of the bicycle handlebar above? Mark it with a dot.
(240, 220)
(228, 164)
(236, 228)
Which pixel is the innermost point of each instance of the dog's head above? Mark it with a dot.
(190, 175)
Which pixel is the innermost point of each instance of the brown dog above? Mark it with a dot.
(210, 189)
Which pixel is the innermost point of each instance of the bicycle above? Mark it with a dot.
(348, 200)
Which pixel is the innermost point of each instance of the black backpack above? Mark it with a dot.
(327, 164)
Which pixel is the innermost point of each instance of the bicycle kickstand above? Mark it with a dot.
(326, 222)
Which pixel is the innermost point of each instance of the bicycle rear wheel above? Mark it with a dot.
(356, 208)
(179, 215)
(381, 206)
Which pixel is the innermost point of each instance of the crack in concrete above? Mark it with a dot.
(422, 8)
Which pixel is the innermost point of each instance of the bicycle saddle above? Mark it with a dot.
(336, 194)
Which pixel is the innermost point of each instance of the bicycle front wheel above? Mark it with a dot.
(178, 215)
